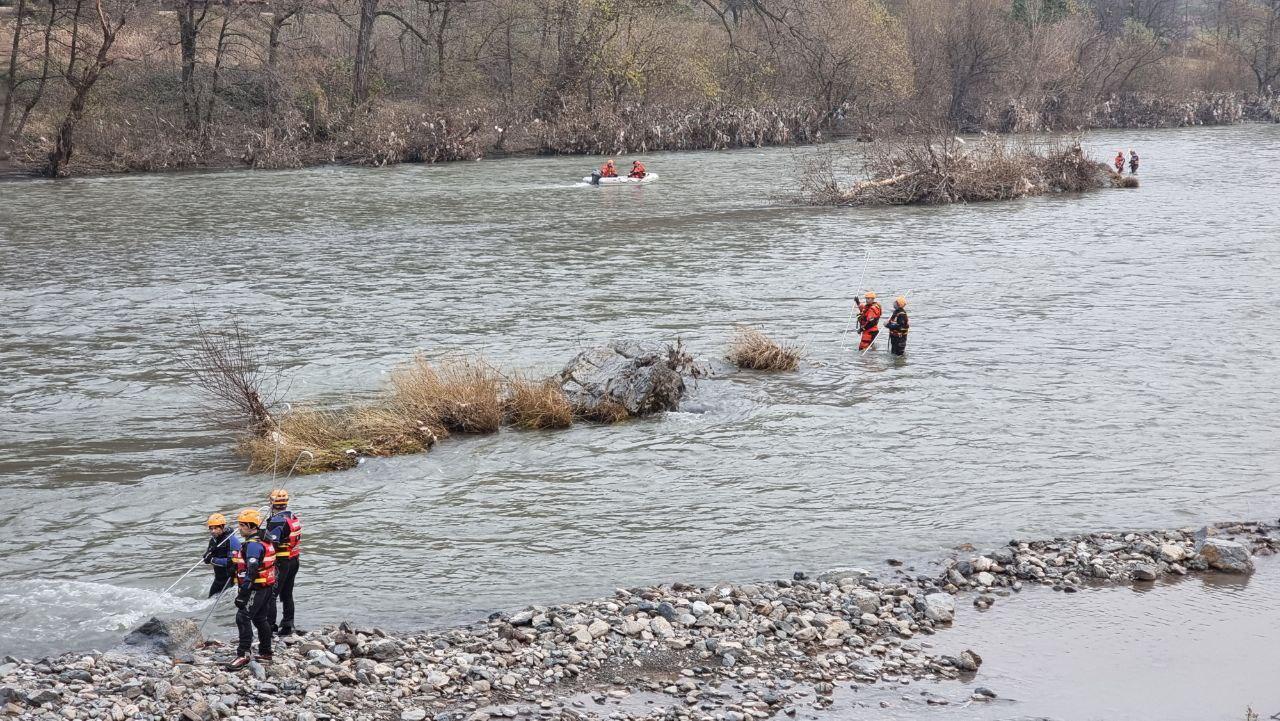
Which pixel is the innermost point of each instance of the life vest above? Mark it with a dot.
(290, 533)
(898, 323)
(608, 171)
(266, 570)
(869, 317)
(638, 170)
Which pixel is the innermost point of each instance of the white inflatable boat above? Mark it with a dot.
(620, 180)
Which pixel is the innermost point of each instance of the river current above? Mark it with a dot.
(1076, 363)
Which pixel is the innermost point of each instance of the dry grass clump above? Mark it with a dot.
(938, 170)
(753, 350)
(532, 404)
(1128, 181)
(462, 394)
(606, 411)
(316, 440)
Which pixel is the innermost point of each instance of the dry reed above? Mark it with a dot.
(753, 350)
(535, 404)
(462, 394)
(606, 411)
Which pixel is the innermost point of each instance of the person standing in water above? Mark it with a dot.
(898, 326)
(1119, 162)
(1133, 162)
(868, 319)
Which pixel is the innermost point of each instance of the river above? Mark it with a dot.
(1076, 364)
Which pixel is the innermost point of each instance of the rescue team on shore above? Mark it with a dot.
(261, 561)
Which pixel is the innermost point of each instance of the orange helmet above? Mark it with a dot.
(251, 516)
(216, 519)
(901, 301)
(871, 295)
(279, 497)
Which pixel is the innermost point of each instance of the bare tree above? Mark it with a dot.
(230, 371)
(15, 79)
(1250, 32)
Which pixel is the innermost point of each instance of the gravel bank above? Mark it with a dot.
(723, 652)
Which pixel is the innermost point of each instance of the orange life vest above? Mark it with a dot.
(266, 570)
(638, 170)
(608, 171)
(870, 316)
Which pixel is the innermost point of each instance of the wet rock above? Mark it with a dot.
(643, 378)
(984, 692)
(169, 637)
(1224, 555)
(940, 607)
(1172, 553)
(969, 661)
(1143, 572)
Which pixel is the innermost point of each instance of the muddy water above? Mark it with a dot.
(1076, 363)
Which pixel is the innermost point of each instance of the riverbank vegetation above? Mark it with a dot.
(141, 85)
(940, 169)
(751, 349)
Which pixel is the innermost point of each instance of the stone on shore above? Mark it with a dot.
(175, 637)
(1223, 555)
(643, 378)
(940, 607)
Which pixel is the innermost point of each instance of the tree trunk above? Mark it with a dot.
(45, 66)
(82, 84)
(364, 43)
(11, 81)
(188, 37)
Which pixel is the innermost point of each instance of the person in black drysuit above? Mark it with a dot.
(284, 530)
(222, 542)
(1133, 162)
(256, 594)
(898, 326)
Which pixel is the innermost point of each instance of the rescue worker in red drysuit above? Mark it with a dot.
(608, 170)
(255, 565)
(284, 531)
(1133, 162)
(637, 170)
(1120, 162)
(898, 325)
(868, 319)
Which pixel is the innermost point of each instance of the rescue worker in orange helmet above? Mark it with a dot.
(608, 170)
(284, 531)
(222, 542)
(868, 319)
(1119, 161)
(898, 326)
(255, 567)
(637, 170)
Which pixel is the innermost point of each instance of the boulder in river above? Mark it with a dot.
(1224, 555)
(642, 378)
(940, 607)
(173, 637)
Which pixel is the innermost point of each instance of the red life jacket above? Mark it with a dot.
(608, 171)
(290, 545)
(870, 315)
(637, 170)
(266, 570)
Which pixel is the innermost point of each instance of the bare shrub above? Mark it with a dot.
(229, 370)
(534, 404)
(462, 394)
(753, 350)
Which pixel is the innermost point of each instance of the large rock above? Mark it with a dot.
(172, 637)
(643, 378)
(940, 607)
(1225, 555)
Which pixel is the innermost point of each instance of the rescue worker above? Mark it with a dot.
(284, 531)
(1133, 162)
(608, 170)
(255, 568)
(1119, 162)
(868, 319)
(898, 325)
(637, 170)
(222, 541)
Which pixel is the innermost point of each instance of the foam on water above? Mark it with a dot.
(67, 614)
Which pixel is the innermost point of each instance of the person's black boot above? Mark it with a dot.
(285, 631)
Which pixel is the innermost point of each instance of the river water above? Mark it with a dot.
(1076, 363)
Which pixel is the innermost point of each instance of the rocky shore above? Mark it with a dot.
(724, 652)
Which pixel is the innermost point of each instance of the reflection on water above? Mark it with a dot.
(1075, 364)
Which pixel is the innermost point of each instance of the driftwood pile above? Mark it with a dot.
(935, 171)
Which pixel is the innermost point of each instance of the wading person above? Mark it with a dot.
(284, 531)
(1133, 162)
(897, 326)
(222, 542)
(255, 567)
(868, 319)
(1119, 162)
